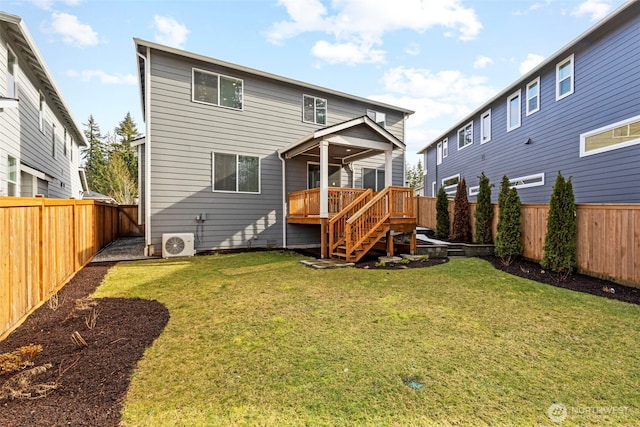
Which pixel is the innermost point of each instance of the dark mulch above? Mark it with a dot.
(576, 282)
(91, 381)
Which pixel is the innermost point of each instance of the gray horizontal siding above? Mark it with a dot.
(606, 91)
(184, 134)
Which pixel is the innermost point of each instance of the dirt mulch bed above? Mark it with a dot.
(86, 384)
(91, 381)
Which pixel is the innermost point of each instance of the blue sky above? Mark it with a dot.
(441, 58)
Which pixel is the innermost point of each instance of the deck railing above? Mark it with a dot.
(306, 203)
(337, 224)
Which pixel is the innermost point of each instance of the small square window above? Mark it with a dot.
(379, 118)
(314, 110)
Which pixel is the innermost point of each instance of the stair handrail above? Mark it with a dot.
(361, 225)
(337, 224)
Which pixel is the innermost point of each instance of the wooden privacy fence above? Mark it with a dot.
(43, 243)
(607, 243)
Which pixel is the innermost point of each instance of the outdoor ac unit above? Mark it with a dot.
(177, 244)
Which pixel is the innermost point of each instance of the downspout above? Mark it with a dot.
(147, 151)
(284, 201)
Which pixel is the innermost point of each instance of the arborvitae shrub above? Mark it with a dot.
(505, 186)
(484, 212)
(442, 215)
(508, 244)
(461, 225)
(560, 241)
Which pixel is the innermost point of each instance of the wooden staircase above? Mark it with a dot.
(369, 218)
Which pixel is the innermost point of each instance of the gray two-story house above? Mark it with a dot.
(241, 158)
(578, 112)
(40, 140)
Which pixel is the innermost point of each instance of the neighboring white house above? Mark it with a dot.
(39, 138)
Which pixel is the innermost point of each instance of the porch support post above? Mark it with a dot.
(324, 245)
(324, 179)
(388, 168)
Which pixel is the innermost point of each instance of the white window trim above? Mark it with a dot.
(482, 129)
(433, 189)
(15, 73)
(53, 140)
(538, 176)
(585, 135)
(318, 164)
(375, 115)
(462, 129)
(439, 153)
(526, 92)
(42, 105)
(326, 110)
(572, 76)
(445, 148)
(193, 87)
(517, 94)
(474, 191)
(450, 189)
(213, 173)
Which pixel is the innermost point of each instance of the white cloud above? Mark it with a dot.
(73, 32)
(598, 9)
(530, 63)
(482, 61)
(348, 53)
(413, 49)
(103, 77)
(48, 4)
(170, 32)
(447, 93)
(364, 24)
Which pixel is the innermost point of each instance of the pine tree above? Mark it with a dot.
(95, 157)
(461, 222)
(415, 175)
(508, 244)
(442, 215)
(560, 241)
(127, 132)
(484, 212)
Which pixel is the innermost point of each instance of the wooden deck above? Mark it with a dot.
(358, 219)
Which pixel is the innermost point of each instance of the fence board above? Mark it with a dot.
(607, 241)
(43, 243)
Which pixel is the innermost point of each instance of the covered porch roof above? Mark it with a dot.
(344, 146)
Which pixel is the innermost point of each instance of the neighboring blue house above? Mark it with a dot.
(578, 112)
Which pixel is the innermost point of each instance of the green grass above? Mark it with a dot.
(258, 339)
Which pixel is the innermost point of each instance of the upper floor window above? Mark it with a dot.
(314, 110)
(514, 111)
(236, 173)
(465, 136)
(11, 74)
(379, 118)
(439, 153)
(373, 179)
(442, 150)
(611, 137)
(64, 142)
(533, 96)
(216, 89)
(53, 140)
(564, 78)
(485, 127)
(41, 105)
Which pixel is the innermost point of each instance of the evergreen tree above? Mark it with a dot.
(484, 212)
(95, 157)
(505, 185)
(461, 222)
(442, 215)
(122, 187)
(127, 132)
(415, 175)
(560, 241)
(508, 244)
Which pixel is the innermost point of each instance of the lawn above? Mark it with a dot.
(258, 339)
